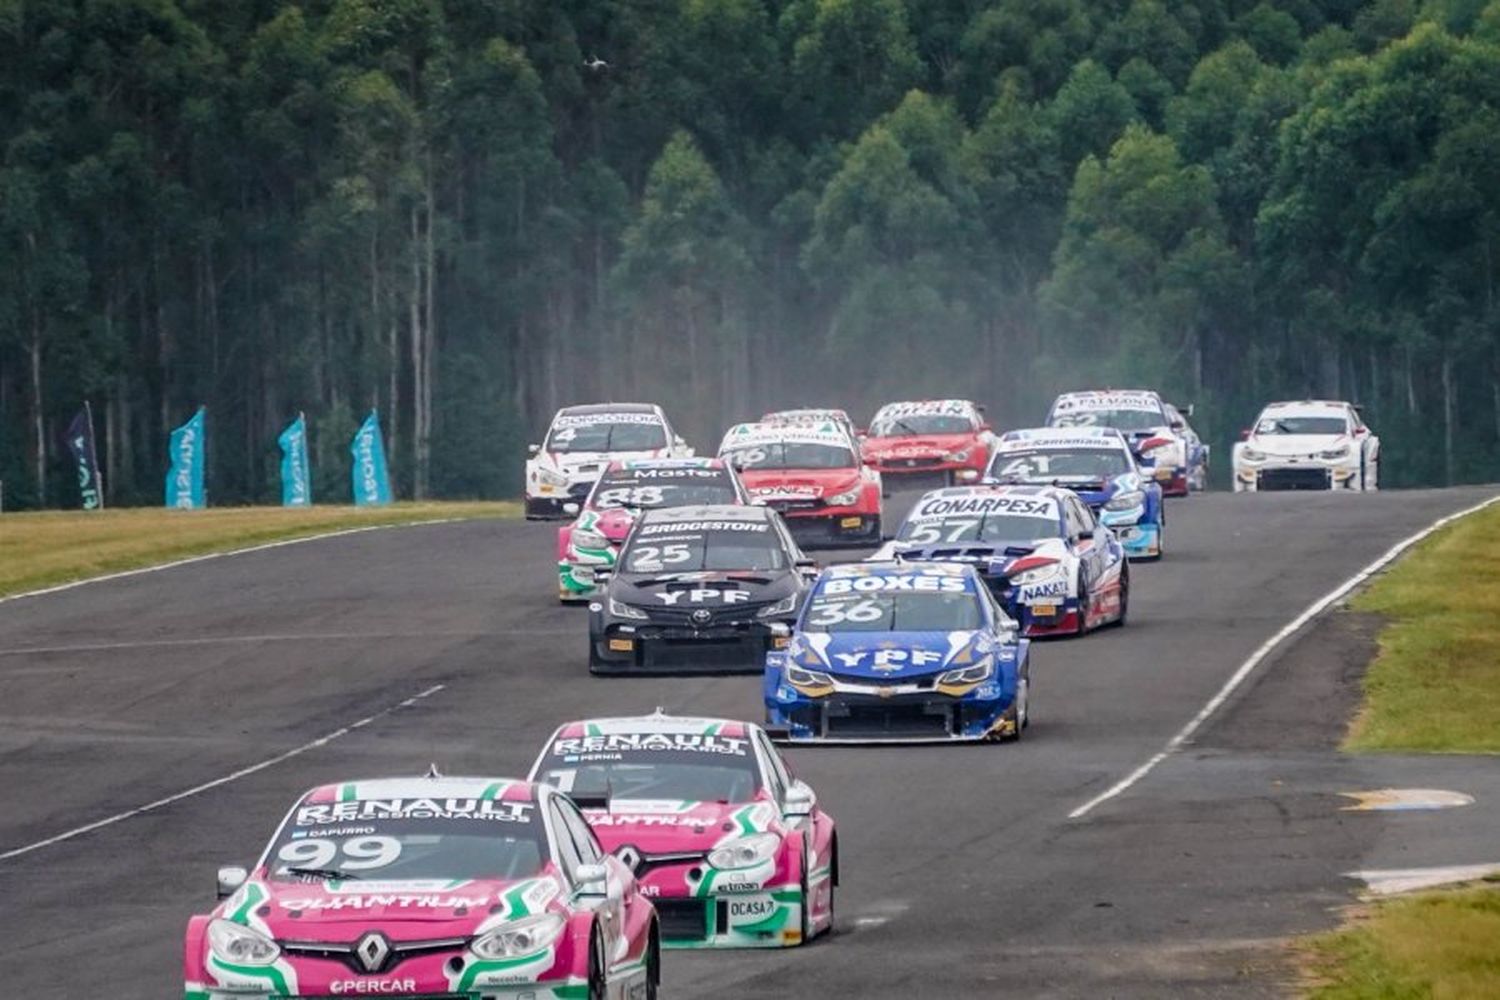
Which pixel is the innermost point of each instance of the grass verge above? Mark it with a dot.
(1433, 946)
(47, 548)
(1435, 685)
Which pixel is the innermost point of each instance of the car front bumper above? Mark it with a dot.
(887, 715)
(1307, 474)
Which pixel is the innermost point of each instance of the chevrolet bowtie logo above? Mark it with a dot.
(372, 951)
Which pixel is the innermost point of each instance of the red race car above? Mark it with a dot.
(929, 442)
(811, 473)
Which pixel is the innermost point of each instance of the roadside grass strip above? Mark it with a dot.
(1438, 945)
(1435, 684)
(48, 549)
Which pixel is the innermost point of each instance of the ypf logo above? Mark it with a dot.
(372, 950)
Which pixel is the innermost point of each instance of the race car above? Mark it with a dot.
(1039, 548)
(900, 652)
(433, 887)
(928, 442)
(626, 489)
(580, 444)
(812, 415)
(1307, 445)
(1142, 417)
(1197, 449)
(732, 849)
(1097, 464)
(811, 474)
(698, 589)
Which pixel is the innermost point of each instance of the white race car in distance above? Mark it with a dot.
(580, 444)
(1307, 445)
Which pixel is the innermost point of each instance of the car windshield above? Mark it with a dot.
(680, 488)
(410, 838)
(1302, 425)
(910, 424)
(1045, 466)
(688, 547)
(887, 611)
(791, 455)
(1125, 420)
(677, 767)
(987, 527)
(607, 433)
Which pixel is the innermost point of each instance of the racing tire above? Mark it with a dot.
(1019, 712)
(598, 968)
(807, 922)
(653, 963)
(1124, 596)
(1083, 604)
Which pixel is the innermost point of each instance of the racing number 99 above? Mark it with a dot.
(359, 853)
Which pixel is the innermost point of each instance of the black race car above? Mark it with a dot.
(698, 589)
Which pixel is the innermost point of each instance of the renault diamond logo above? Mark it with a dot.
(372, 951)
(629, 857)
(701, 616)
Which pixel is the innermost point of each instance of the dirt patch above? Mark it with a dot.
(1305, 697)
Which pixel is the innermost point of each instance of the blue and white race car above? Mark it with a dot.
(1139, 414)
(1040, 549)
(1097, 464)
(899, 652)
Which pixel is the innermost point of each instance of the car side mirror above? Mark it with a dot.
(532, 449)
(231, 877)
(679, 441)
(571, 508)
(592, 881)
(800, 800)
(1245, 434)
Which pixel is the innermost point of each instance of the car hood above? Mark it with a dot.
(1298, 445)
(799, 484)
(403, 910)
(656, 826)
(888, 656)
(917, 445)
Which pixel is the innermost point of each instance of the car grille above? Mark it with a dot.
(784, 506)
(703, 653)
(735, 614)
(1294, 479)
(889, 722)
(687, 919)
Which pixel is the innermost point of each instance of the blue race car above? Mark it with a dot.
(897, 652)
(1097, 464)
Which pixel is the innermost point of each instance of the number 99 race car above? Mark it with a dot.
(433, 887)
(732, 849)
(1038, 547)
(580, 444)
(1095, 463)
(900, 652)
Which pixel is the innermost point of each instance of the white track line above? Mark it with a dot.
(1265, 649)
(264, 546)
(232, 640)
(226, 779)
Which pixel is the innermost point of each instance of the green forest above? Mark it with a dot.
(469, 212)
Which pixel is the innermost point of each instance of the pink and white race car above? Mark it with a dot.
(730, 847)
(430, 887)
(625, 489)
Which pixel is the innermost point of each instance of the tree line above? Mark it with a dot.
(469, 212)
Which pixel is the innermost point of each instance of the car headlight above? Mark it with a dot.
(622, 610)
(1125, 501)
(518, 937)
(845, 499)
(589, 540)
(802, 677)
(1333, 455)
(785, 606)
(1251, 455)
(1036, 574)
(551, 478)
(957, 456)
(745, 852)
(980, 671)
(240, 945)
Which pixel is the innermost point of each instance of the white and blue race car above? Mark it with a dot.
(1040, 548)
(1141, 415)
(1097, 464)
(899, 652)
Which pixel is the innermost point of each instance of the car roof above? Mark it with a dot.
(1084, 393)
(995, 490)
(895, 567)
(621, 465)
(584, 409)
(437, 786)
(1057, 437)
(705, 512)
(1310, 407)
(656, 722)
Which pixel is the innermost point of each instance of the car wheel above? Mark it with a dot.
(653, 964)
(1019, 714)
(807, 921)
(1083, 604)
(598, 968)
(1124, 596)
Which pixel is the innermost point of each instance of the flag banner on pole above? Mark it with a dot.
(371, 479)
(296, 469)
(186, 451)
(80, 441)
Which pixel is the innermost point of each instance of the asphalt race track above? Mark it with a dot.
(962, 875)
